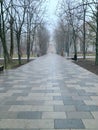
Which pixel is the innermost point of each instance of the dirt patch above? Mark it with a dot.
(88, 64)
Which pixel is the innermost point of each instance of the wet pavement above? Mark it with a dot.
(49, 93)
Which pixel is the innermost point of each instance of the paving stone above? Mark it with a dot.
(20, 94)
(14, 103)
(55, 129)
(59, 102)
(87, 108)
(34, 97)
(79, 115)
(81, 98)
(95, 114)
(64, 108)
(57, 98)
(12, 123)
(88, 94)
(62, 98)
(73, 102)
(8, 115)
(91, 102)
(29, 115)
(44, 94)
(42, 91)
(54, 115)
(19, 129)
(85, 129)
(34, 102)
(49, 124)
(3, 91)
(16, 108)
(69, 94)
(90, 123)
(4, 108)
(68, 124)
(50, 93)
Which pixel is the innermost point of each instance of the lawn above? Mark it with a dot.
(14, 63)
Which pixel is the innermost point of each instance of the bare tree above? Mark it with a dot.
(11, 30)
(60, 37)
(43, 39)
(3, 32)
(87, 10)
(19, 17)
(20, 11)
(35, 14)
(72, 22)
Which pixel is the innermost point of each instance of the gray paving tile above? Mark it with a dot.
(4, 108)
(69, 94)
(20, 94)
(64, 108)
(87, 108)
(34, 102)
(88, 94)
(62, 98)
(19, 129)
(68, 124)
(42, 91)
(73, 102)
(14, 103)
(81, 98)
(79, 115)
(29, 115)
(9, 99)
(36, 94)
(8, 115)
(3, 91)
(73, 90)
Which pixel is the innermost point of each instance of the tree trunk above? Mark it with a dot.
(11, 32)
(3, 37)
(12, 40)
(32, 43)
(84, 52)
(28, 48)
(96, 60)
(68, 40)
(18, 46)
(75, 46)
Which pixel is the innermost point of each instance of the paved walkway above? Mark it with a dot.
(47, 94)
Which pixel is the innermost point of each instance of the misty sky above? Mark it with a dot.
(52, 18)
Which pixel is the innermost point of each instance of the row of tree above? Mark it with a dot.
(78, 23)
(21, 23)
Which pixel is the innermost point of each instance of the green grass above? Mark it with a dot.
(87, 54)
(91, 59)
(13, 64)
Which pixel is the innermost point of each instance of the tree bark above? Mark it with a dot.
(75, 46)
(11, 32)
(84, 34)
(96, 60)
(28, 47)
(18, 46)
(3, 37)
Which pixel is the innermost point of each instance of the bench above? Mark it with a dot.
(1, 67)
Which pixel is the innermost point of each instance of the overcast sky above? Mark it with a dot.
(52, 6)
(52, 18)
